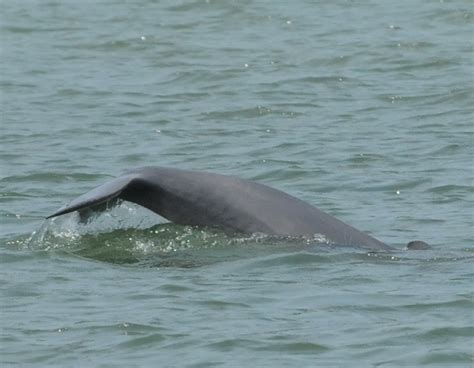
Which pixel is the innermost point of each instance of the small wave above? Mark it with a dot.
(48, 177)
(249, 113)
(441, 333)
(451, 189)
(296, 347)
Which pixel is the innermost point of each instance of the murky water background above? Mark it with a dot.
(363, 109)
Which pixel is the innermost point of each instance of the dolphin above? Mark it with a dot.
(232, 204)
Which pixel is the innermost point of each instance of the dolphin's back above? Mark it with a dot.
(206, 199)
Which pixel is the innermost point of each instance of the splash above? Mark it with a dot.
(124, 235)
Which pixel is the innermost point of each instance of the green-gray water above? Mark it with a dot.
(363, 109)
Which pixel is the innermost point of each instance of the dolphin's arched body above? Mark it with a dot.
(236, 205)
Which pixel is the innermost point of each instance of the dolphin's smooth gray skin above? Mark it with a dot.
(233, 204)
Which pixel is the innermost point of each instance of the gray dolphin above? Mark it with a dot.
(233, 204)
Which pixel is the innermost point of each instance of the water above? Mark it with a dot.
(361, 108)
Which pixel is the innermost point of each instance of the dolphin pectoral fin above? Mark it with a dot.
(97, 199)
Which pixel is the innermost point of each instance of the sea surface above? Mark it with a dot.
(362, 108)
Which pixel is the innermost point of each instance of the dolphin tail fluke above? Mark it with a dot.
(98, 198)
